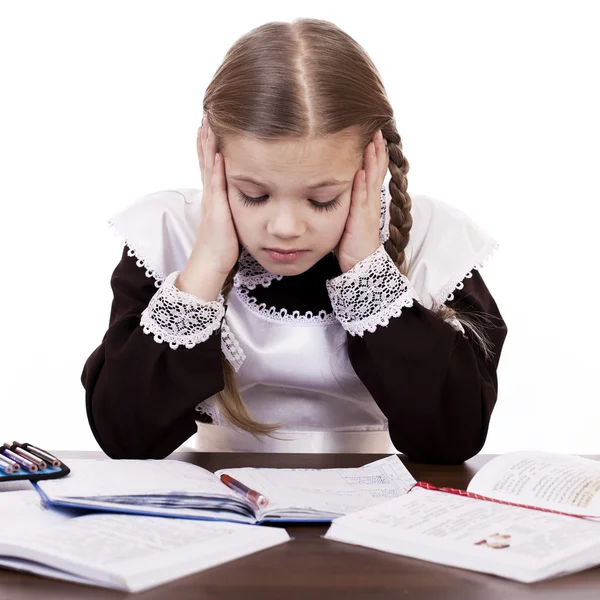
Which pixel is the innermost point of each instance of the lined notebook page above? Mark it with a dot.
(330, 490)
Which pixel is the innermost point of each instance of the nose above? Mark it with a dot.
(285, 223)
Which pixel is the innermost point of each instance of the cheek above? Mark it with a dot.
(334, 223)
(243, 220)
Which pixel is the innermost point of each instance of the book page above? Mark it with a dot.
(544, 479)
(335, 491)
(24, 510)
(28, 566)
(104, 539)
(441, 527)
(136, 552)
(91, 478)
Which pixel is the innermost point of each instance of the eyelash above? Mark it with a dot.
(318, 206)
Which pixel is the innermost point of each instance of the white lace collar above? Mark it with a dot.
(251, 273)
(444, 247)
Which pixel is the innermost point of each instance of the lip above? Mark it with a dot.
(281, 255)
(284, 251)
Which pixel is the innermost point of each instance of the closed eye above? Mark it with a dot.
(318, 206)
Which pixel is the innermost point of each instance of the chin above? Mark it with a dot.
(294, 268)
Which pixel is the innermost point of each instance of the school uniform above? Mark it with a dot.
(345, 362)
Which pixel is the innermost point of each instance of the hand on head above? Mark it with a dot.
(217, 242)
(361, 234)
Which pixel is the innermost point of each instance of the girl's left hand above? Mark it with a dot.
(361, 234)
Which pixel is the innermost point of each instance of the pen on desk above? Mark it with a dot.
(32, 457)
(6, 466)
(252, 495)
(42, 454)
(27, 464)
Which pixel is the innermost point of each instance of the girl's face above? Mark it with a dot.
(283, 207)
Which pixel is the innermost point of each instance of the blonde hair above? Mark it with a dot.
(298, 80)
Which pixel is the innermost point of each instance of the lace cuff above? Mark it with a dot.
(179, 318)
(370, 293)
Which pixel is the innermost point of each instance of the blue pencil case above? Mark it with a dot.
(29, 462)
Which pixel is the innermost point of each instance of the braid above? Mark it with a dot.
(400, 226)
(401, 203)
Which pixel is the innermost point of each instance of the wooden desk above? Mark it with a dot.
(314, 568)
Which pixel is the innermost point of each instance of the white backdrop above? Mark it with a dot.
(497, 107)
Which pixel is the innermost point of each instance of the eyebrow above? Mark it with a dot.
(328, 183)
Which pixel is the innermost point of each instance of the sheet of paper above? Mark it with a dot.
(449, 525)
(545, 479)
(330, 490)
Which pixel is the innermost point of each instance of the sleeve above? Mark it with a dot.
(435, 383)
(142, 393)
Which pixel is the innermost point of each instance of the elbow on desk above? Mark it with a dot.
(135, 446)
(128, 450)
(132, 451)
(434, 452)
(445, 458)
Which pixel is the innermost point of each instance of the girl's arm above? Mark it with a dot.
(141, 395)
(434, 385)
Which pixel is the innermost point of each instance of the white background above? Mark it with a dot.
(497, 106)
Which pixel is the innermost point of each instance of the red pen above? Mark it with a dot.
(252, 495)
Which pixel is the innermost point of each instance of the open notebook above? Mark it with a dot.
(123, 552)
(178, 489)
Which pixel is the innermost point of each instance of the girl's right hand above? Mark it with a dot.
(216, 249)
(217, 241)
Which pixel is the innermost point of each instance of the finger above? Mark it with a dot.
(382, 161)
(208, 161)
(219, 182)
(359, 194)
(200, 152)
(382, 156)
(211, 146)
(372, 172)
(215, 180)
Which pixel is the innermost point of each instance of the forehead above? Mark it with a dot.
(286, 162)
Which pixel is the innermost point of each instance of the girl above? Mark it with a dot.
(301, 300)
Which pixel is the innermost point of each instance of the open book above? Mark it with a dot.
(123, 552)
(179, 489)
(526, 516)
